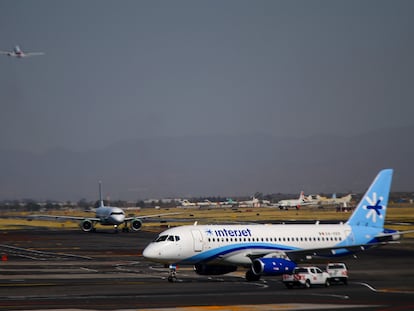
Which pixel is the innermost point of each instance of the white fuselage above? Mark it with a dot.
(109, 215)
(290, 203)
(233, 244)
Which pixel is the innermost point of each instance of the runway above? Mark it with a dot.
(70, 269)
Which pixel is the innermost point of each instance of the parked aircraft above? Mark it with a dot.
(104, 215)
(297, 203)
(229, 202)
(344, 201)
(254, 202)
(275, 249)
(17, 52)
(207, 203)
(186, 203)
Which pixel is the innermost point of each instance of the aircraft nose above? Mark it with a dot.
(149, 252)
(118, 218)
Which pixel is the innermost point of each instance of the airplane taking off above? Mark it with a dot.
(17, 52)
(275, 249)
(106, 216)
(297, 203)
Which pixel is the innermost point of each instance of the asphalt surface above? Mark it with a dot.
(68, 269)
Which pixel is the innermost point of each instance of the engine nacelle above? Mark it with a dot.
(203, 269)
(136, 224)
(87, 225)
(272, 266)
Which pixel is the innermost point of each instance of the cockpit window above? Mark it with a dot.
(117, 213)
(172, 238)
(161, 238)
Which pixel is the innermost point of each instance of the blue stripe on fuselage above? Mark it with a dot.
(215, 253)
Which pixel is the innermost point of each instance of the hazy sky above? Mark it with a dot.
(116, 70)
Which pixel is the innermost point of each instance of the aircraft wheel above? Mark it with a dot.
(172, 279)
(251, 277)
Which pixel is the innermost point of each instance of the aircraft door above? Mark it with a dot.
(198, 240)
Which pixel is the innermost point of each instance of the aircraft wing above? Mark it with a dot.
(4, 52)
(392, 235)
(149, 216)
(306, 254)
(57, 217)
(330, 251)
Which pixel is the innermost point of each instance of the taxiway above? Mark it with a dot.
(68, 269)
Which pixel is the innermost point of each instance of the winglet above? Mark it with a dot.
(372, 208)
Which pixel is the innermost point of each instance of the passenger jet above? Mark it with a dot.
(106, 216)
(297, 203)
(17, 52)
(275, 249)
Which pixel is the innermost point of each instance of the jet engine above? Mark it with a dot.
(87, 225)
(136, 224)
(203, 269)
(272, 266)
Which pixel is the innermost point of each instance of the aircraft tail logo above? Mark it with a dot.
(372, 208)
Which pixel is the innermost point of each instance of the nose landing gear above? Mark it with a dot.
(172, 275)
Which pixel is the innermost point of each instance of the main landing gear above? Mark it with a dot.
(251, 277)
(172, 275)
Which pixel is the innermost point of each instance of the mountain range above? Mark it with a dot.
(210, 165)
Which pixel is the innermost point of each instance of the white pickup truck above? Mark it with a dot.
(306, 277)
(338, 272)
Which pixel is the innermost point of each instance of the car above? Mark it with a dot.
(338, 272)
(306, 277)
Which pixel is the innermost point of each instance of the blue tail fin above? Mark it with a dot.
(372, 208)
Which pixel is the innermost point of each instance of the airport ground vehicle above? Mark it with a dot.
(338, 272)
(306, 277)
